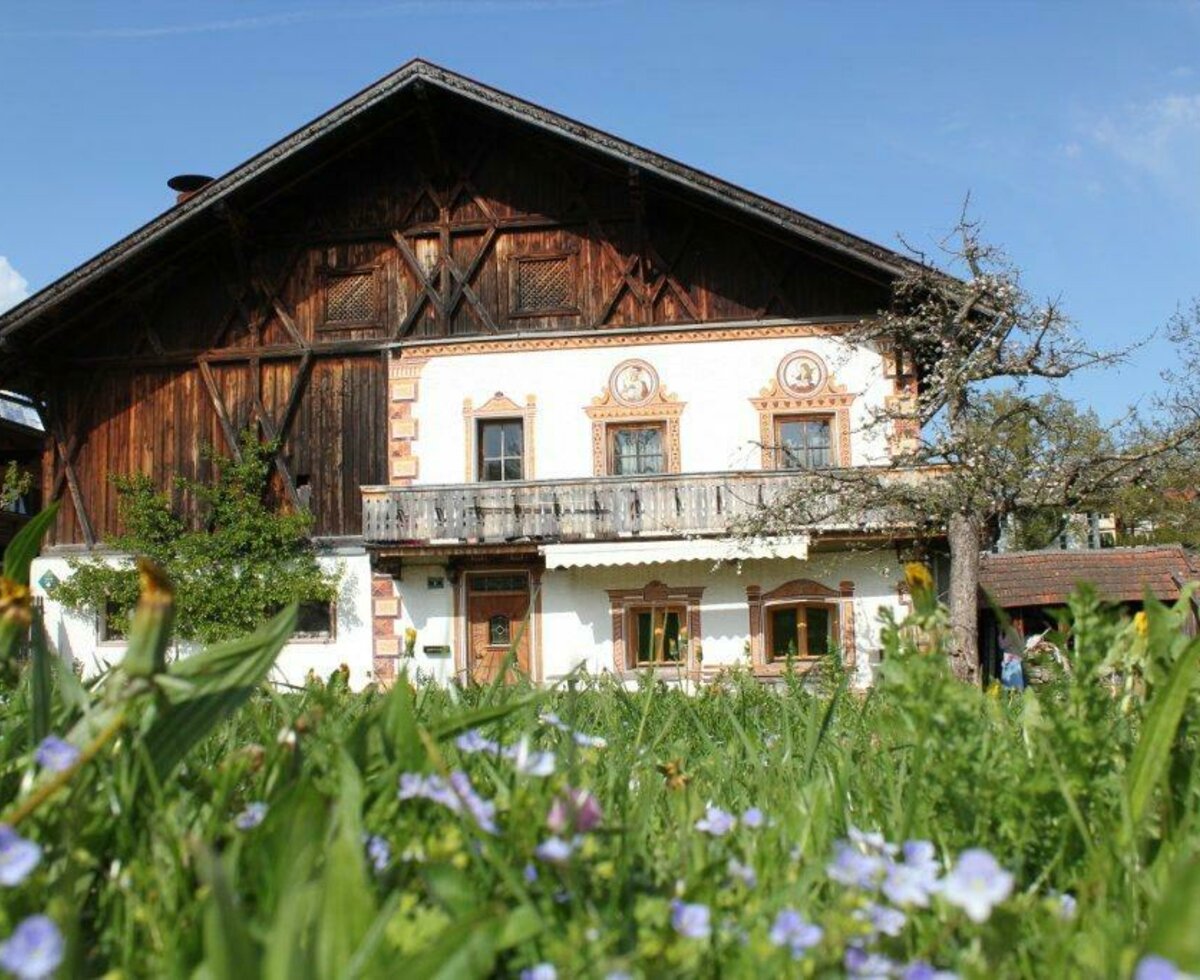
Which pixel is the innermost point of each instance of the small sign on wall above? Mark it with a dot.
(436, 651)
(435, 582)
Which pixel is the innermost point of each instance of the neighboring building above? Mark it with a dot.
(1032, 587)
(21, 443)
(523, 371)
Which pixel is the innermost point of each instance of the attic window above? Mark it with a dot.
(350, 298)
(543, 284)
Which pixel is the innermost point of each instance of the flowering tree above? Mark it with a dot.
(979, 433)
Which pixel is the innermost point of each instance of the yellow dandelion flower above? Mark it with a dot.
(918, 576)
(1141, 624)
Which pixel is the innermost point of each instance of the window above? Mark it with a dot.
(499, 631)
(542, 284)
(113, 625)
(515, 582)
(655, 635)
(315, 621)
(636, 450)
(800, 630)
(804, 443)
(350, 298)
(501, 445)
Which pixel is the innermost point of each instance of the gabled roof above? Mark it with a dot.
(413, 75)
(1047, 578)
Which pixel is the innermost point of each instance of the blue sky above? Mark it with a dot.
(1075, 126)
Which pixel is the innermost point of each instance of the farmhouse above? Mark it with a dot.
(526, 377)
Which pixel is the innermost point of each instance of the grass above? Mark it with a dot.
(154, 862)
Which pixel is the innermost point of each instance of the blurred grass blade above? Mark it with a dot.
(1175, 924)
(463, 951)
(472, 719)
(399, 728)
(39, 679)
(229, 953)
(348, 906)
(150, 631)
(1153, 751)
(219, 681)
(23, 548)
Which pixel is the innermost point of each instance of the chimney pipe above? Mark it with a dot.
(185, 185)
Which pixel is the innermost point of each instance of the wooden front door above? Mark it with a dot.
(497, 614)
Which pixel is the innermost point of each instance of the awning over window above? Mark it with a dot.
(643, 551)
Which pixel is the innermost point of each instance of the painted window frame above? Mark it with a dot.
(613, 428)
(621, 604)
(498, 408)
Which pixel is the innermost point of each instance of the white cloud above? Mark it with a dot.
(13, 287)
(1158, 140)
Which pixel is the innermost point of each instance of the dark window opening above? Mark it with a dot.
(655, 635)
(800, 630)
(315, 621)
(501, 450)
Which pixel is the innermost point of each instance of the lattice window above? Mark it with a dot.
(543, 284)
(350, 299)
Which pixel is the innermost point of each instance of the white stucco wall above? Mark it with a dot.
(577, 621)
(74, 634)
(719, 428)
(430, 611)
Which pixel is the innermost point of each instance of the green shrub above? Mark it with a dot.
(245, 562)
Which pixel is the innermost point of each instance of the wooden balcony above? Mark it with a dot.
(553, 511)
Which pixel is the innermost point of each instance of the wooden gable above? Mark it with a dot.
(437, 218)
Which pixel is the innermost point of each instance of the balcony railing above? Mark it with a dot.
(592, 509)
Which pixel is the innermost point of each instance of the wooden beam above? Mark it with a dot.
(218, 404)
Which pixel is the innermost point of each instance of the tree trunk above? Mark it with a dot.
(965, 534)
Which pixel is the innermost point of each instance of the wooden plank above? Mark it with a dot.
(218, 404)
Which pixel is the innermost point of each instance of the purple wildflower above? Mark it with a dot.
(56, 754)
(542, 971)
(1154, 967)
(871, 842)
(753, 818)
(976, 883)
(742, 872)
(530, 874)
(456, 794)
(379, 851)
(554, 850)
(716, 822)
(861, 963)
(792, 930)
(589, 741)
(574, 810)
(18, 856)
(251, 817)
(883, 919)
(34, 950)
(691, 920)
(473, 741)
(851, 867)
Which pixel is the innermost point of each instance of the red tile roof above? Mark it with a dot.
(1046, 578)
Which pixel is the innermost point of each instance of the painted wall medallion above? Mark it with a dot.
(633, 382)
(801, 373)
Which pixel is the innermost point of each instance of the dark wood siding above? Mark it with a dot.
(437, 208)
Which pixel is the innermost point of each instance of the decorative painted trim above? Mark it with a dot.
(622, 600)
(799, 591)
(904, 434)
(499, 406)
(404, 374)
(385, 620)
(695, 334)
(827, 398)
(659, 406)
